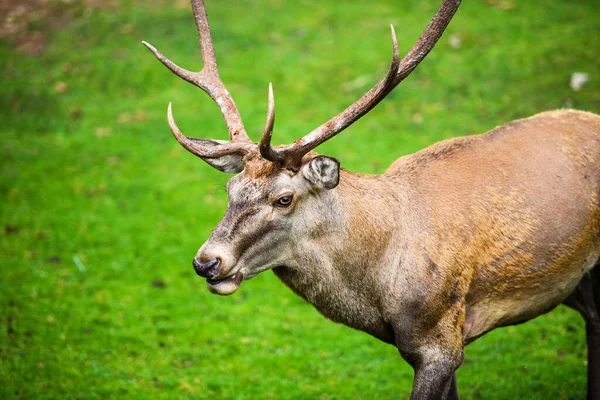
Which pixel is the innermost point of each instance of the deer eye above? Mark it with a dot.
(284, 201)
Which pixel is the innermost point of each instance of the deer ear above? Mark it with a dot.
(231, 163)
(323, 172)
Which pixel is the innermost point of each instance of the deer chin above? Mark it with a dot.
(225, 286)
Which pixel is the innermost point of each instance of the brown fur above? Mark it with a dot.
(510, 214)
(257, 168)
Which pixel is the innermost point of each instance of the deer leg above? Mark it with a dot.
(435, 375)
(435, 353)
(593, 339)
(453, 395)
(586, 299)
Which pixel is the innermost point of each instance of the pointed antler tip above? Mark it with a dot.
(153, 50)
(265, 142)
(174, 128)
(396, 51)
(394, 39)
(170, 114)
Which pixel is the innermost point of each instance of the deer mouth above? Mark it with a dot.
(225, 286)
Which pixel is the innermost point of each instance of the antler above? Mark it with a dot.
(291, 155)
(209, 81)
(265, 142)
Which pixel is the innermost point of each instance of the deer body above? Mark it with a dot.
(470, 234)
(456, 224)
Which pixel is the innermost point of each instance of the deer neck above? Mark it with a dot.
(340, 268)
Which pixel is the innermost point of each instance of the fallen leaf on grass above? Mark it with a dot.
(357, 83)
(502, 5)
(103, 132)
(54, 259)
(31, 254)
(79, 263)
(455, 41)
(124, 118)
(127, 117)
(417, 118)
(76, 113)
(11, 229)
(182, 4)
(578, 79)
(159, 283)
(140, 116)
(127, 28)
(60, 87)
(113, 160)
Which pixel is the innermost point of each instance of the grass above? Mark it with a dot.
(102, 211)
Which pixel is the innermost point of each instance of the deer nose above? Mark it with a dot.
(207, 270)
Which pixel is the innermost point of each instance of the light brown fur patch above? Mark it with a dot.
(257, 167)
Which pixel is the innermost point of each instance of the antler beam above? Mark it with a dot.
(291, 155)
(209, 81)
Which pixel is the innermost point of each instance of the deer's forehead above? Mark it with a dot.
(241, 189)
(244, 191)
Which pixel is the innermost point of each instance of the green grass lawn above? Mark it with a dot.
(102, 211)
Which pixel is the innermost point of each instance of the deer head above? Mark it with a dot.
(280, 194)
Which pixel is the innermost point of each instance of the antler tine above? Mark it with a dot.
(208, 78)
(203, 151)
(428, 38)
(191, 77)
(206, 45)
(399, 69)
(268, 152)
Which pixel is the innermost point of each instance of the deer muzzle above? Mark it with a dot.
(219, 278)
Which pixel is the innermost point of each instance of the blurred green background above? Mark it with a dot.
(102, 211)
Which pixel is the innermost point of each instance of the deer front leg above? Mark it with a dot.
(435, 375)
(435, 353)
(453, 395)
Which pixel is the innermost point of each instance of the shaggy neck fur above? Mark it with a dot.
(341, 267)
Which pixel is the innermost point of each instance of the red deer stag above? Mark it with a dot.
(449, 243)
